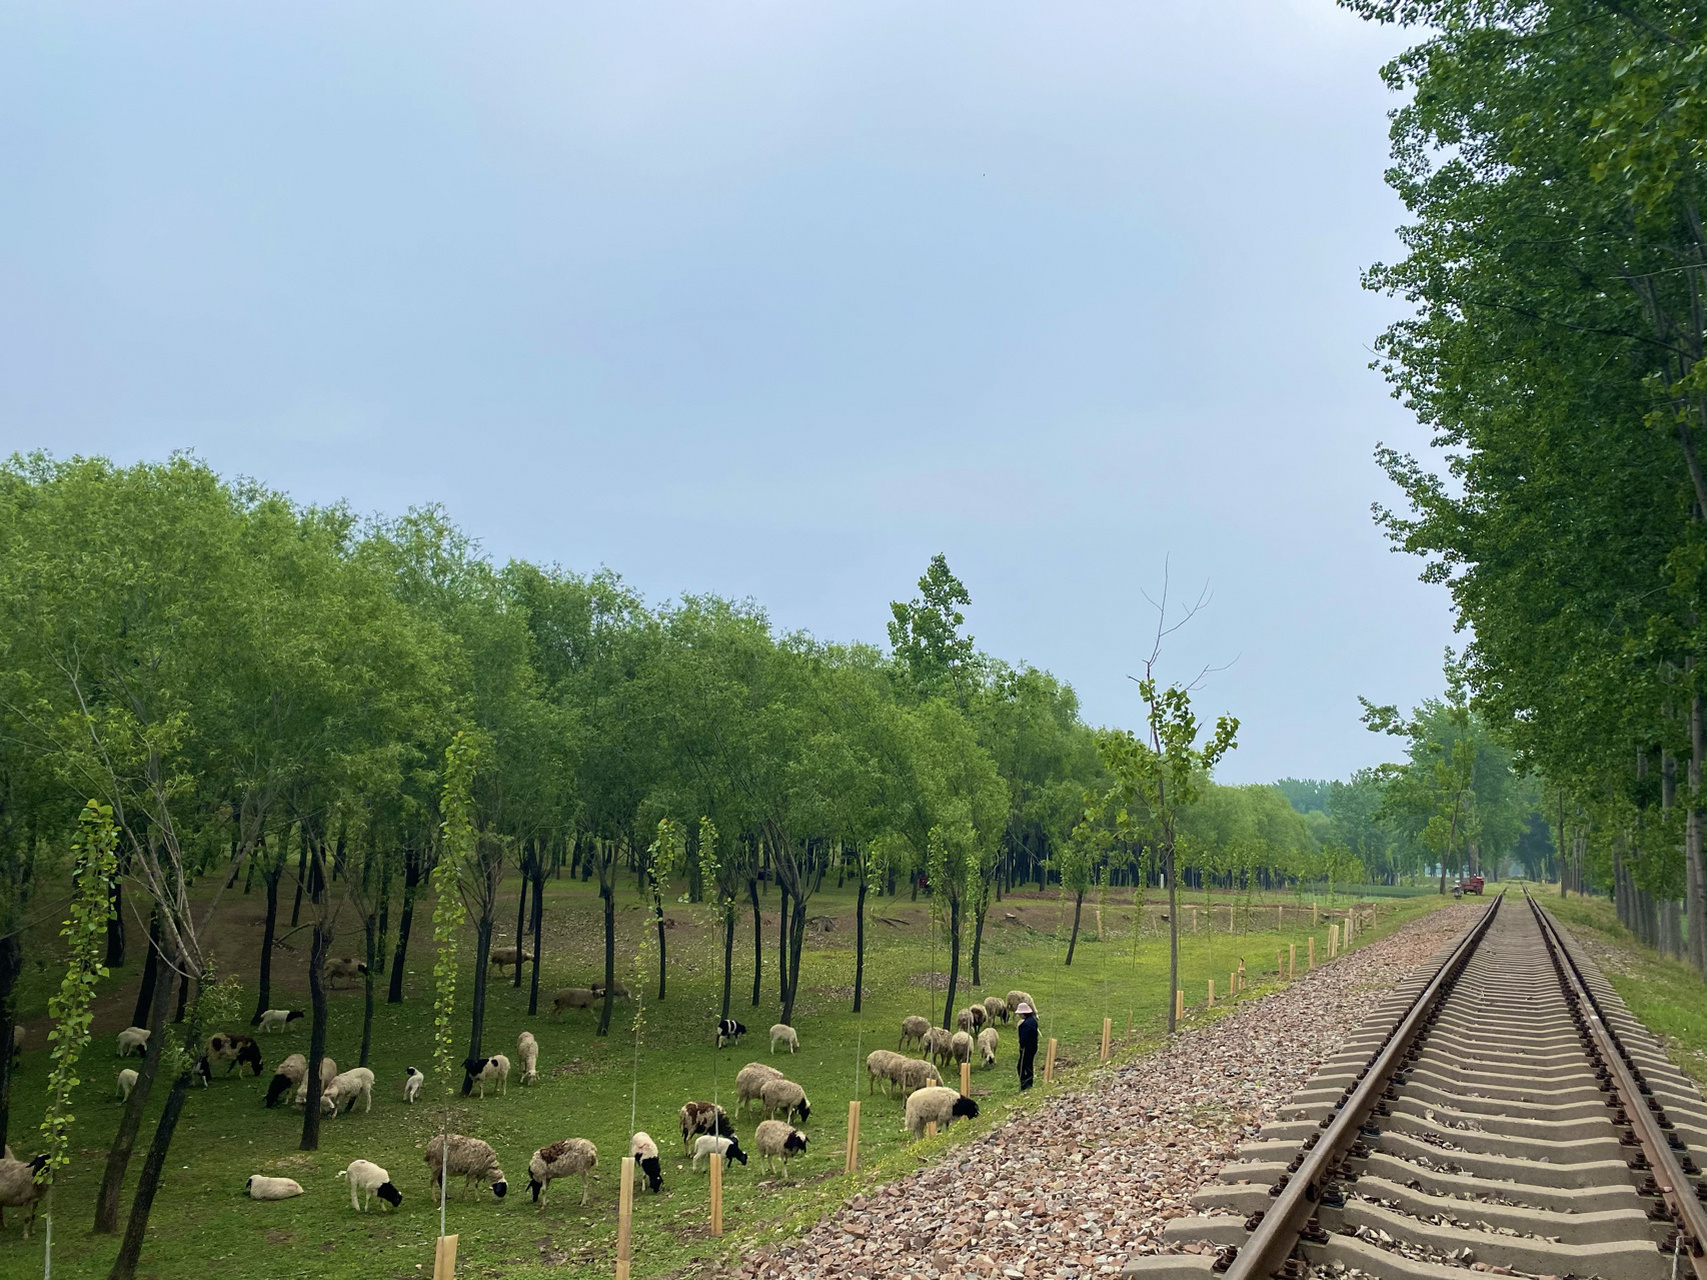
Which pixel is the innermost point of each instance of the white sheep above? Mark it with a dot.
(527, 1053)
(470, 1158)
(778, 1140)
(368, 1180)
(913, 1028)
(782, 1033)
(784, 1097)
(988, 1040)
(19, 1188)
(915, 1073)
(709, 1144)
(749, 1080)
(328, 1073)
(484, 1071)
(412, 1084)
(263, 1188)
(1017, 998)
(880, 1064)
(277, 1019)
(937, 1105)
(127, 1082)
(939, 1046)
(348, 1088)
(995, 1008)
(133, 1039)
(646, 1162)
(961, 1047)
(561, 1160)
(964, 1021)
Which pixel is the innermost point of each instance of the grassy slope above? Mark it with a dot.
(201, 1219)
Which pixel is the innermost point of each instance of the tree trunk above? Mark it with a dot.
(1697, 899)
(658, 915)
(370, 928)
(482, 960)
(538, 930)
(11, 965)
(978, 947)
(115, 925)
(301, 873)
(797, 926)
(758, 940)
(859, 944)
(384, 918)
(183, 996)
(264, 995)
(130, 1123)
(728, 954)
(521, 914)
(1078, 907)
(411, 880)
(953, 962)
(150, 974)
(321, 948)
(782, 897)
(608, 893)
(1173, 933)
(135, 1231)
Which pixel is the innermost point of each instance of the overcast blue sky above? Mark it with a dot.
(769, 300)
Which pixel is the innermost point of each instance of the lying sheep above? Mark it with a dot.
(783, 1098)
(646, 1163)
(263, 1188)
(19, 1188)
(784, 1034)
(913, 1028)
(572, 998)
(133, 1039)
(915, 1073)
(729, 1030)
(939, 1106)
(995, 1007)
(345, 967)
(346, 1089)
(412, 1084)
(961, 1046)
(880, 1065)
(1015, 999)
(527, 1053)
(234, 1051)
(988, 1039)
(127, 1082)
(562, 1159)
(494, 1071)
(939, 1046)
(504, 957)
(749, 1080)
(368, 1180)
(277, 1019)
(470, 1159)
(702, 1118)
(328, 1073)
(708, 1144)
(778, 1140)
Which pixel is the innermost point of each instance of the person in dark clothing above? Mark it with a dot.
(1027, 1042)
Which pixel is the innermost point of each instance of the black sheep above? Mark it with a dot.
(728, 1029)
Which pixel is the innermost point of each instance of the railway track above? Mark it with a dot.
(1502, 1112)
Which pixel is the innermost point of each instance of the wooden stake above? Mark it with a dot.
(1314, 918)
(1279, 965)
(717, 1192)
(1179, 1006)
(966, 1079)
(930, 1128)
(1107, 1033)
(853, 1136)
(1129, 1022)
(625, 1220)
(1333, 941)
(1212, 991)
(1310, 960)
(1049, 1063)
(1291, 960)
(444, 1258)
(1194, 919)
(1232, 984)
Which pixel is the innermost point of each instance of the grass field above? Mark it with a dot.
(202, 1224)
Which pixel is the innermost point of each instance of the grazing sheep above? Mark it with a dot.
(347, 1088)
(778, 1140)
(880, 1064)
(345, 967)
(470, 1158)
(728, 1029)
(969, 1019)
(133, 1039)
(988, 1039)
(978, 1017)
(562, 1159)
(915, 1073)
(328, 1073)
(572, 998)
(708, 1144)
(276, 1019)
(620, 990)
(19, 1188)
(703, 1117)
(783, 1098)
(782, 1033)
(749, 1080)
(961, 1046)
(1015, 999)
(939, 1046)
(913, 1028)
(17, 1040)
(504, 957)
(263, 1188)
(368, 1180)
(234, 1051)
(645, 1153)
(939, 1105)
(493, 1070)
(995, 1007)
(201, 1071)
(292, 1071)
(527, 1053)
(127, 1082)
(412, 1084)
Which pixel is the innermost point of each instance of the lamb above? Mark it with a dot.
(995, 1007)
(503, 957)
(702, 1118)
(263, 1188)
(783, 1097)
(915, 1073)
(127, 1082)
(645, 1153)
(234, 1051)
(470, 1158)
(19, 1188)
(708, 1144)
(936, 1105)
(572, 998)
(493, 1070)
(412, 1084)
(880, 1064)
(988, 1039)
(961, 1047)
(277, 1019)
(939, 1046)
(328, 1073)
(728, 1029)
(749, 1080)
(347, 1088)
(785, 1034)
(1015, 999)
(368, 1180)
(561, 1160)
(778, 1140)
(133, 1038)
(913, 1028)
(345, 967)
(527, 1053)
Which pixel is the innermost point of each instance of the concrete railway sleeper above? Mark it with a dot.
(1502, 1112)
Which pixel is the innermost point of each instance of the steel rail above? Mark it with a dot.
(1299, 1194)
(1632, 1094)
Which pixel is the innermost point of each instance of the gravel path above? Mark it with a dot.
(1090, 1178)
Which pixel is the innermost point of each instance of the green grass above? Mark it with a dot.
(202, 1222)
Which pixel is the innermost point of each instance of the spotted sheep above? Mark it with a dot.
(702, 1118)
(563, 1159)
(484, 1071)
(646, 1162)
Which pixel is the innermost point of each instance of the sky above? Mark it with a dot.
(765, 300)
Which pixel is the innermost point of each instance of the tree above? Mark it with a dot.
(924, 634)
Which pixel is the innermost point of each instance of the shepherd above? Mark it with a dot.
(1027, 1041)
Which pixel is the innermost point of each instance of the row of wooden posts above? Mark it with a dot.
(444, 1259)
